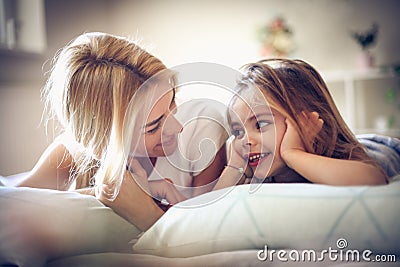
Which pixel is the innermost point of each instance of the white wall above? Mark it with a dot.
(179, 31)
(225, 31)
(22, 138)
(22, 75)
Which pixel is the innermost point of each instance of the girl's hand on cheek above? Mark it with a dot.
(291, 140)
(312, 124)
(235, 158)
(236, 169)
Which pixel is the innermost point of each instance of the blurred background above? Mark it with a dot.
(361, 70)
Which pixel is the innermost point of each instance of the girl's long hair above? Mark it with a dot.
(294, 86)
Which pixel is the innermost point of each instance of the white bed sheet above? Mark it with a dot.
(125, 258)
(221, 259)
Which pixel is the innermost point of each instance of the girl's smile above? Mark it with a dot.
(254, 159)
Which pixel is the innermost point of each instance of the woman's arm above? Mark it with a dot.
(131, 203)
(52, 170)
(134, 202)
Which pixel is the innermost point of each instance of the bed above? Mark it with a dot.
(247, 225)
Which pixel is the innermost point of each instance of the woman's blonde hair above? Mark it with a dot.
(294, 86)
(89, 89)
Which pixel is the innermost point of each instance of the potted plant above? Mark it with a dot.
(276, 39)
(366, 40)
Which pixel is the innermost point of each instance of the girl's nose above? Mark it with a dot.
(248, 140)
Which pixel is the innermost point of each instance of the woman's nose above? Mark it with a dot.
(172, 125)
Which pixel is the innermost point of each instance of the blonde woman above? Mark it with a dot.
(113, 133)
(287, 128)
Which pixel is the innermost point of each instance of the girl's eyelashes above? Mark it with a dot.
(237, 133)
(262, 124)
(259, 125)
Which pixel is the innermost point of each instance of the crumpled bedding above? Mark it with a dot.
(383, 149)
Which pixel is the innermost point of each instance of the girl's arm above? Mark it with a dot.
(52, 170)
(325, 170)
(230, 177)
(205, 181)
(235, 172)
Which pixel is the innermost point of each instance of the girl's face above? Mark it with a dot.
(159, 134)
(258, 132)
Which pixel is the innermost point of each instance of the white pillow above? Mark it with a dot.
(37, 225)
(12, 180)
(281, 216)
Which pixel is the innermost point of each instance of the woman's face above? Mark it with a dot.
(161, 128)
(258, 132)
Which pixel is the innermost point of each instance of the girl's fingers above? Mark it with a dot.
(175, 198)
(172, 195)
(179, 197)
(136, 167)
(314, 114)
(172, 199)
(168, 191)
(313, 120)
(317, 121)
(320, 124)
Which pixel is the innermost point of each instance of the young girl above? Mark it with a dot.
(292, 130)
(112, 131)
